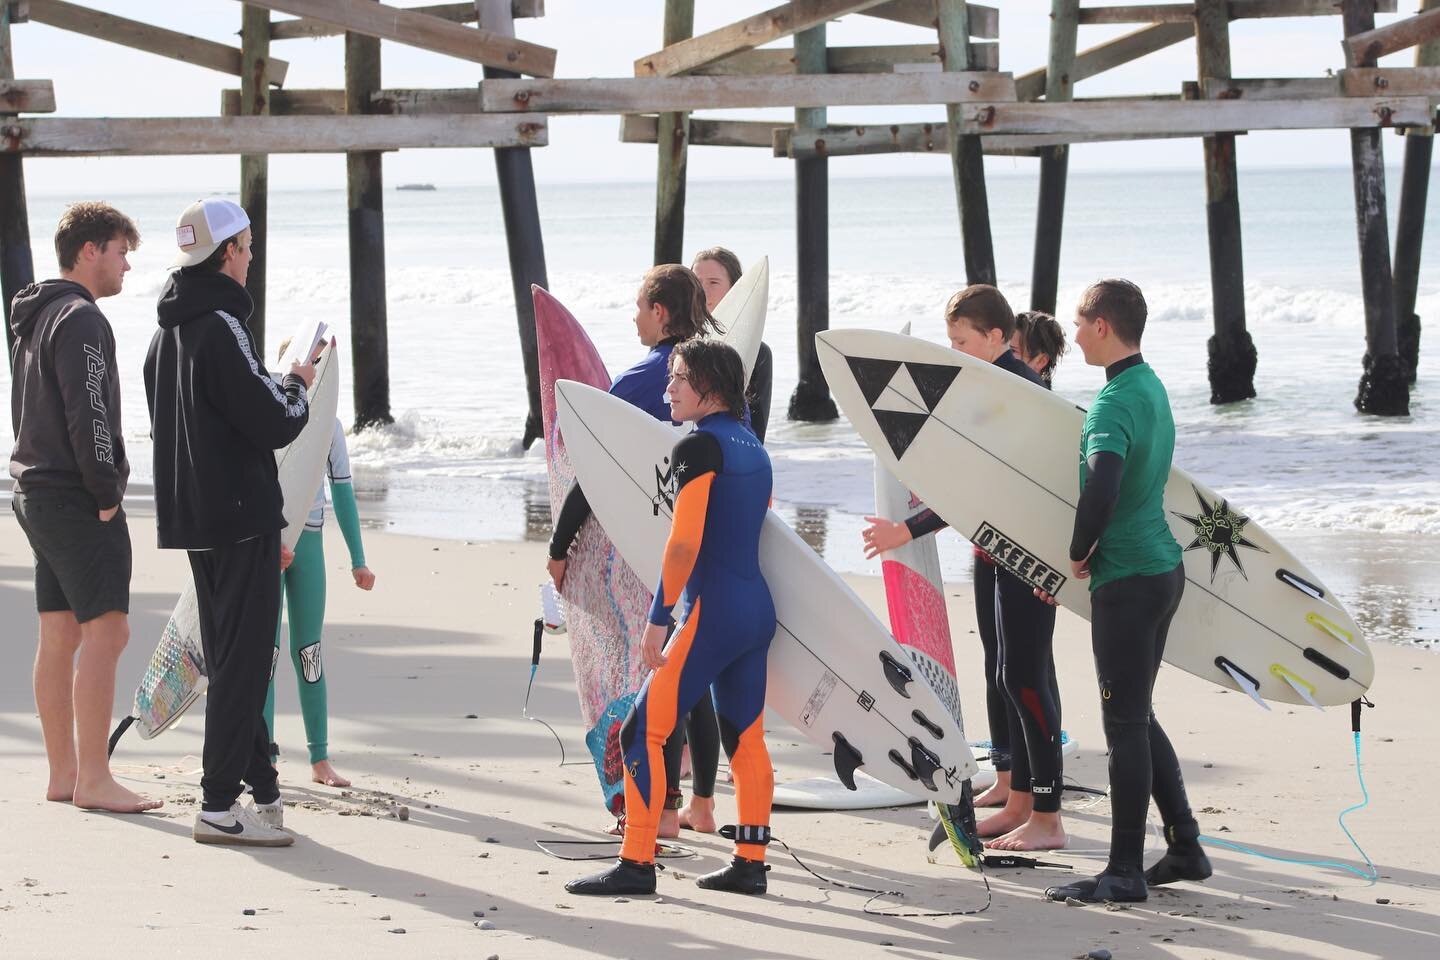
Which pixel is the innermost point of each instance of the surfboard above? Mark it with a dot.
(834, 670)
(1252, 618)
(741, 313)
(175, 676)
(605, 603)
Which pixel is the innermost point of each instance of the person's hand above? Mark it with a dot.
(305, 371)
(652, 646)
(364, 578)
(287, 556)
(883, 535)
(557, 573)
(1080, 569)
(107, 515)
(1048, 598)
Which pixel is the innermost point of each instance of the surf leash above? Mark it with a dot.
(534, 668)
(1371, 874)
(878, 894)
(663, 851)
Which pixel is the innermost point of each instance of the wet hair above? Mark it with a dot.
(1122, 305)
(1042, 336)
(983, 307)
(680, 292)
(714, 368)
(91, 222)
(216, 260)
(727, 260)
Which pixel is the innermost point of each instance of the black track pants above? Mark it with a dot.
(237, 587)
(1129, 621)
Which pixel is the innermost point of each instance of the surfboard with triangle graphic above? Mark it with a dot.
(998, 458)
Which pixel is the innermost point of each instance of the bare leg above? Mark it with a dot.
(1042, 831)
(102, 641)
(669, 824)
(998, 793)
(54, 675)
(324, 772)
(699, 814)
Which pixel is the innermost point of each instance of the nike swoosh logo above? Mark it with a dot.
(234, 830)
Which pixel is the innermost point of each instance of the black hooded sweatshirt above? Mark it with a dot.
(216, 417)
(64, 395)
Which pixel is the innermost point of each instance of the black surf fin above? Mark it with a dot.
(847, 760)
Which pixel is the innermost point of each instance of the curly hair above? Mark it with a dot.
(679, 291)
(91, 221)
(714, 368)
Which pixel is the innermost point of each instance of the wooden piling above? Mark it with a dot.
(672, 145)
(811, 400)
(967, 156)
(369, 334)
(520, 209)
(17, 266)
(1232, 352)
(1383, 388)
(1054, 161)
(1410, 224)
(255, 168)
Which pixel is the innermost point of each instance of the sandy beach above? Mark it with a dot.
(427, 678)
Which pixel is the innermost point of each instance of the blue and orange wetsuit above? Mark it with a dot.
(711, 570)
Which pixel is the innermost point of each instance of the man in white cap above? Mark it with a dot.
(216, 418)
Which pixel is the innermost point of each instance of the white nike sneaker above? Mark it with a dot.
(240, 827)
(270, 814)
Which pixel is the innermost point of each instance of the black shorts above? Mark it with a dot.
(82, 564)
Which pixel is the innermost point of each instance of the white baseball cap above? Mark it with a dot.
(205, 225)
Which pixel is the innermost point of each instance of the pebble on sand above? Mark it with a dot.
(397, 929)
(484, 925)
(248, 911)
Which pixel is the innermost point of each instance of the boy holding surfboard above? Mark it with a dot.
(1123, 545)
(216, 417)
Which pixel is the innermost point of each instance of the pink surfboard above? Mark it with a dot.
(606, 604)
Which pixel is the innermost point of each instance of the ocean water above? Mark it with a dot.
(1357, 497)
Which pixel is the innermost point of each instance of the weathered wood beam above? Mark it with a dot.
(143, 36)
(19, 10)
(843, 141)
(27, 96)
(762, 28)
(180, 136)
(984, 21)
(896, 58)
(643, 128)
(651, 94)
(1363, 49)
(1054, 160)
(1410, 223)
(426, 32)
(305, 27)
(255, 168)
(672, 153)
(1197, 117)
(17, 263)
(1274, 88)
(1239, 10)
(331, 103)
(1108, 55)
(1391, 81)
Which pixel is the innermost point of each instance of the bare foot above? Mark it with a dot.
(113, 798)
(1040, 832)
(669, 824)
(61, 789)
(1000, 824)
(323, 772)
(998, 793)
(699, 815)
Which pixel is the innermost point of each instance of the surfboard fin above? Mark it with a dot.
(896, 673)
(1304, 689)
(1325, 626)
(924, 763)
(847, 760)
(1243, 680)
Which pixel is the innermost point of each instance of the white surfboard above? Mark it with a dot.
(741, 313)
(996, 456)
(175, 676)
(834, 670)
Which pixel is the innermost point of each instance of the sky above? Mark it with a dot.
(598, 38)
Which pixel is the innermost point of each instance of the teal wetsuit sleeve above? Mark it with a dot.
(347, 515)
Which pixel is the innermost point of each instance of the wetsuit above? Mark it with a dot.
(711, 572)
(1136, 581)
(643, 386)
(1022, 695)
(303, 585)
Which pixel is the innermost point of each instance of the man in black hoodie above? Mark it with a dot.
(216, 418)
(70, 470)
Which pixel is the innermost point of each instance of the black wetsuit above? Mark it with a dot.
(1017, 630)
